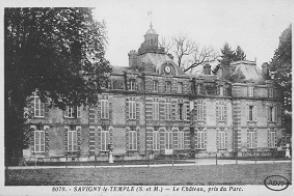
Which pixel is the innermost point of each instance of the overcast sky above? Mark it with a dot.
(254, 25)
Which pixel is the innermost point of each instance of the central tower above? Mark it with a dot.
(150, 44)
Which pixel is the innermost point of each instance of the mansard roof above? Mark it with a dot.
(245, 71)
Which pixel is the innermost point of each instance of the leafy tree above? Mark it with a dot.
(281, 69)
(59, 52)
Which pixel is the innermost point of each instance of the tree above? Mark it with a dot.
(227, 57)
(201, 56)
(281, 69)
(183, 47)
(59, 52)
(239, 54)
(188, 53)
(166, 44)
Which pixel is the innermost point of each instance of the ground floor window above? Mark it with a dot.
(133, 140)
(181, 140)
(39, 141)
(156, 140)
(168, 140)
(272, 138)
(251, 138)
(104, 140)
(200, 139)
(221, 139)
(72, 141)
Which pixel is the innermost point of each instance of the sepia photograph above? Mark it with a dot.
(175, 96)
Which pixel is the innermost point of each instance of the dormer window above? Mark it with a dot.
(221, 91)
(155, 86)
(132, 84)
(167, 86)
(180, 87)
(250, 91)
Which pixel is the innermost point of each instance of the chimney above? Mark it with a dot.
(132, 58)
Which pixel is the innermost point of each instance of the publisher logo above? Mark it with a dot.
(276, 182)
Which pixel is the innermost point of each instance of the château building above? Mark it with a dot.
(152, 108)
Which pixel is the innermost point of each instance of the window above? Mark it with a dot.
(180, 87)
(272, 138)
(221, 136)
(181, 111)
(39, 107)
(200, 110)
(181, 140)
(250, 113)
(155, 109)
(132, 140)
(132, 84)
(39, 141)
(251, 138)
(72, 141)
(271, 92)
(271, 114)
(221, 91)
(168, 86)
(168, 110)
(221, 111)
(250, 91)
(168, 140)
(155, 86)
(72, 112)
(156, 140)
(200, 139)
(132, 108)
(104, 140)
(104, 107)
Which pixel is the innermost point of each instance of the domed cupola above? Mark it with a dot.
(150, 43)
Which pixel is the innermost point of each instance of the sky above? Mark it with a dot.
(254, 25)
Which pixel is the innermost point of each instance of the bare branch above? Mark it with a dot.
(183, 47)
(205, 55)
(166, 44)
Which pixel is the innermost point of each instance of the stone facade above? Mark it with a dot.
(152, 108)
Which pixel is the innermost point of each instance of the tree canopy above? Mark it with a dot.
(58, 51)
(281, 72)
(228, 55)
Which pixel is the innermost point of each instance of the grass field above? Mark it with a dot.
(177, 175)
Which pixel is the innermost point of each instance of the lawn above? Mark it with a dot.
(171, 175)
